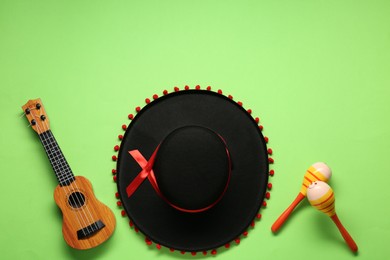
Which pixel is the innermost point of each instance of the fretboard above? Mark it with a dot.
(57, 160)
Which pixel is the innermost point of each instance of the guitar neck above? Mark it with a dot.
(57, 159)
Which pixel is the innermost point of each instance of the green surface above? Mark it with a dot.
(317, 73)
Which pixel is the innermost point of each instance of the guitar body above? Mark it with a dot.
(81, 212)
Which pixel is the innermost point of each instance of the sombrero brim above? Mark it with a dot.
(233, 214)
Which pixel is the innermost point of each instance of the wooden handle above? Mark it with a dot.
(279, 222)
(347, 237)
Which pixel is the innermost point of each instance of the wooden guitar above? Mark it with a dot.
(86, 221)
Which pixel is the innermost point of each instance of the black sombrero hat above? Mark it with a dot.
(192, 170)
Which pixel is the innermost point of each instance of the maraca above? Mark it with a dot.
(320, 196)
(317, 172)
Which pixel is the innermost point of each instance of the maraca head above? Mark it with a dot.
(322, 169)
(319, 171)
(321, 196)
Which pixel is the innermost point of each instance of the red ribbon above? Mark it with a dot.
(147, 172)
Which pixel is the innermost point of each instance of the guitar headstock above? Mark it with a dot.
(36, 115)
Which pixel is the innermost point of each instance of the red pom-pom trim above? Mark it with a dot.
(117, 195)
(114, 158)
(193, 253)
(213, 252)
(249, 111)
(271, 172)
(204, 252)
(165, 92)
(148, 241)
(171, 249)
(270, 160)
(147, 100)
(114, 178)
(227, 245)
(239, 103)
(137, 109)
(237, 240)
(176, 89)
(187, 87)
(269, 151)
(120, 137)
(208, 88)
(267, 195)
(155, 96)
(245, 234)
(113, 171)
(261, 127)
(119, 203)
(258, 216)
(219, 91)
(264, 204)
(230, 97)
(257, 120)
(266, 139)
(124, 127)
(130, 116)
(116, 148)
(197, 87)
(123, 213)
(158, 246)
(269, 186)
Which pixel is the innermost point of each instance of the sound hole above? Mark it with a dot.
(76, 199)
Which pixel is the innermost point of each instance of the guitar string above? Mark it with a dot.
(71, 187)
(51, 162)
(61, 169)
(93, 223)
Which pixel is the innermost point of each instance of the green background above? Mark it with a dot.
(317, 73)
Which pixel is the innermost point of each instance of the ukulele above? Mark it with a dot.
(86, 221)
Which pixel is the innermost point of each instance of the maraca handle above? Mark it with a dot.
(279, 222)
(347, 237)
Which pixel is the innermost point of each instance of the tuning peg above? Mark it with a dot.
(27, 111)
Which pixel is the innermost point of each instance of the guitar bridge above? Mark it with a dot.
(90, 230)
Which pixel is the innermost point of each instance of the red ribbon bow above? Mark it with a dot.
(147, 172)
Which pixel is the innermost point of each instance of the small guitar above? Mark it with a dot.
(86, 221)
